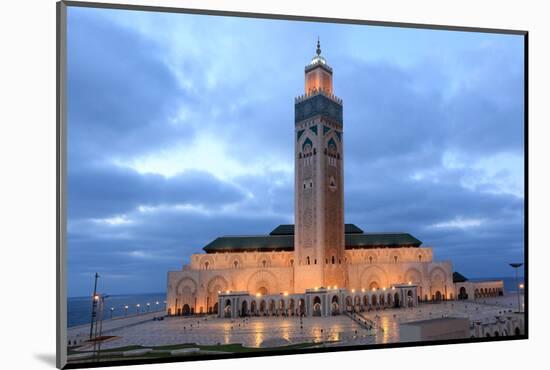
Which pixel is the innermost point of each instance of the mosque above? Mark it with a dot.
(320, 266)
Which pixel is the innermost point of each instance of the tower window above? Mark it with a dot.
(236, 264)
(370, 259)
(307, 260)
(264, 263)
(206, 265)
(333, 260)
(419, 258)
(395, 259)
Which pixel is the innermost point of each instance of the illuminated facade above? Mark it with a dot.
(319, 266)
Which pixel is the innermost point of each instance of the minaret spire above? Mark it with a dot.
(318, 46)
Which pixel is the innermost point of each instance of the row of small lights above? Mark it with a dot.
(96, 298)
(317, 288)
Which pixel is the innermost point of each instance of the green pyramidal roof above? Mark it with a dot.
(458, 277)
(282, 239)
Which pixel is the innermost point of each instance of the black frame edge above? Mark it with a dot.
(61, 156)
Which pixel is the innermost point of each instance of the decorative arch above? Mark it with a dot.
(438, 274)
(186, 284)
(396, 257)
(373, 274)
(206, 263)
(370, 257)
(262, 279)
(307, 145)
(238, 260)
(413, 275)
(264, 261)
(217, 283)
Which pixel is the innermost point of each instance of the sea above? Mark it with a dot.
(79, 309)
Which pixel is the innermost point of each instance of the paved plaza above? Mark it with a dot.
(279, 331)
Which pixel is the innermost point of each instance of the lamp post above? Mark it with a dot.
(516, 266)
(112, 309)
(137, 308)
(126, 310)
(148, 306)
(157, 303)
(94, 305)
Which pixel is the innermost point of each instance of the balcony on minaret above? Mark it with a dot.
(318, 74)
(318, 79)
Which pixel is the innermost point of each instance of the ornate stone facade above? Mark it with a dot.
(321, 266)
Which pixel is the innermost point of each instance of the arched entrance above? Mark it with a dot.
(349, 304)
(462, 293)
(271, 307)
(244, 308)
(262, 307)
(186, 310)
(396, 301)
(227, 308)
(410, 298)
(335, 306)
(374, 300)
(301, 307)
(357, 303)
(253, 308)
(317, 306)
(281, 308)
(438, 296)
(216, 308)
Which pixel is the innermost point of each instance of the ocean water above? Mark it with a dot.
(79, 309)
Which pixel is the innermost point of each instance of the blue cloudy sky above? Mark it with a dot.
(181, 129)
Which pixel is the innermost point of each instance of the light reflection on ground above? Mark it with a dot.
(253, 331)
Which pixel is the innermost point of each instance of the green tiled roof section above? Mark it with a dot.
(314, 129)
(354, 241)
(299, 134)
(458, 277)
(251, 243)
(325, 130)
(286, 242)
(288, 229)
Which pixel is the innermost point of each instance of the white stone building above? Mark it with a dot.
(321, 266)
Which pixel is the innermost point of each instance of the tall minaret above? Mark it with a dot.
(319, 242)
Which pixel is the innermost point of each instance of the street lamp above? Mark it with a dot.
(148, 306)
(157, 303)
(516, 266)
(137, 308)
(125, 310)
(112, 309)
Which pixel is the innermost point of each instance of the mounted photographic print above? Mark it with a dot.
(236, 185)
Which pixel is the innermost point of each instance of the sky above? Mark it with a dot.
(181, 128)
